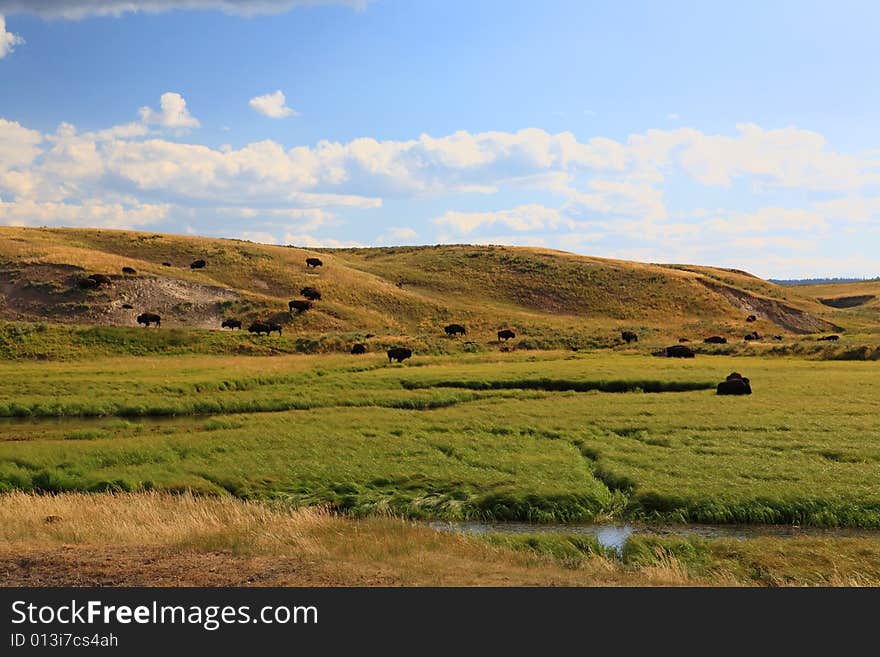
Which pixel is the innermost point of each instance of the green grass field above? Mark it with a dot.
(527, 435)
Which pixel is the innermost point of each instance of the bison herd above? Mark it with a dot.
(734, 384)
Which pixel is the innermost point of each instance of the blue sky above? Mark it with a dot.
(738, 135)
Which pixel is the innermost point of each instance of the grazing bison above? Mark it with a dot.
(679, 351)
(629, 336)
(299, 305)
(832, 338)
(101, 279)
(359, 349)
(715, 339)
(273, 327)
(88, 284)
(455, 329)
(734, 384)
(311, 293)
(399, 354)
(197, 264)
(751, 336)
(751, 318)
(127, 306)
(259, 327)
(166, 264)
(128, 270)
(505, 334)
(314, 262)
(683, 340)
(777, 337)
(149, 318)
(231, 324)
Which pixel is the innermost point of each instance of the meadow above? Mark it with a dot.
(538, 436)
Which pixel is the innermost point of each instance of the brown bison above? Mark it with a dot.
(149, 318)
(299, 305)
(734, 384)
(101, 279)
(127, 306)
(197, 264)
(359, 349)
(231, 324)
(752, 318)
(679, 351)
(166, 264)
(751, 336)
(273, 326)
(259, 327)
(629, 336)
(88, 284)
(715, 339)
(314, 262)
(399, 354)
(505, 334)
(129, 270)
(683, 340)
(311, 293)
(455, 329)
(832, 338)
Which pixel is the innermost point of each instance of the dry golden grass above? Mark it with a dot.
(159, 539)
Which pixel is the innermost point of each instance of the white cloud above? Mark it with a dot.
(273, 105)
(92, 213)
(258, 236)
(523, 218)
(173, 113)
(8, 40)
(402, 233)
(310, 241)
(19, 146)
(77, 9)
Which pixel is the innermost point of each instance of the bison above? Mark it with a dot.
(166, 264)
(127, 306)
(299, 305)
(259, 327)
(455, 329)
(359, 349)
(505, 334)
(629, 336)
(683, 340)
(231, 324)
(832, 338)
(777, 337)
(101, 279)
(679, 351)
(734, 384)
(751, 318)
(311, 293)
(399, 354)
(197, 264)
(129, 270)
(715, 339)
(273, 326)
(751, 336)
(313, 262)
(149, 318)
(88, 284)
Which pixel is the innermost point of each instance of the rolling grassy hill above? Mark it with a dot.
(550, 298)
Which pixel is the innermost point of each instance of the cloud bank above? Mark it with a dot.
(594, 194)
(78, 9)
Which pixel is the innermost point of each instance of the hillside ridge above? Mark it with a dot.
(406, 290)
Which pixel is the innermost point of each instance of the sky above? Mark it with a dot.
(738, 135)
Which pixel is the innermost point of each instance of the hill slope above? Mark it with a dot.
(395, 291)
